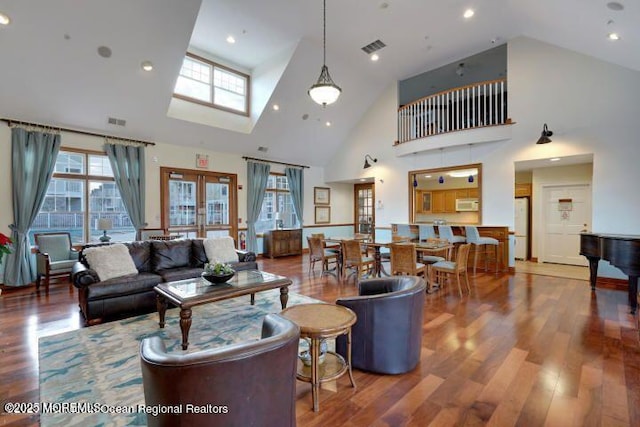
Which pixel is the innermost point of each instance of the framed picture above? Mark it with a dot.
(321, 195)
(323, 215)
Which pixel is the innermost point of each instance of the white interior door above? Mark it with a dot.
(567, 211)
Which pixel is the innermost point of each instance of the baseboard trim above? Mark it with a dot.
(612, 283)
(534, 259)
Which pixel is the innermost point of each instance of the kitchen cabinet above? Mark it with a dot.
(282, 242)
(423, 201)
(438, 202)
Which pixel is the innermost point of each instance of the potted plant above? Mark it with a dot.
(218, 272)
(5, 244)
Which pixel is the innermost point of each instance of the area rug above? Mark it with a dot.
(90, 374)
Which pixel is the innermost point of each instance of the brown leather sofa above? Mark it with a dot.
(250, 384)
(387, 337)
(157, 261)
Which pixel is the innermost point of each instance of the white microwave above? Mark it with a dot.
(466, 205)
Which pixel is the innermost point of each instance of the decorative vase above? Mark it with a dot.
(305, 352)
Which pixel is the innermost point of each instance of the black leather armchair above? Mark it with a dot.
(387, 337)
(250, 384)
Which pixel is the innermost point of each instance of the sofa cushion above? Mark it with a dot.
(198, 255)
(110, 261)
(181, 273)
(129, 285)
(221, 249)
(171, 254)
(141, 255)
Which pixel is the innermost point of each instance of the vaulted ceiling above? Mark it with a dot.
(50, 70)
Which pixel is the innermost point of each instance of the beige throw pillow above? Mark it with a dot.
(110, 261)
(221, 249)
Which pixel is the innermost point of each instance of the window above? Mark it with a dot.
(214, 85)
(82, 191)
(276, 199)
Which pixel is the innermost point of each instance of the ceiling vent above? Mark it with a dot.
(373, 47)
(263, 149)
(117, 122)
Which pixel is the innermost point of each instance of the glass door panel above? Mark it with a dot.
(199, 204)
(364, 209)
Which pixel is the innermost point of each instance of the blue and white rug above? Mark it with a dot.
(97, 369)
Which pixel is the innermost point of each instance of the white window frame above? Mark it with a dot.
(213, 67)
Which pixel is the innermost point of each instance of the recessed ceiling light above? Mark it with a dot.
(363, 179)
(468, 13)
(146, 65)
(231, 39)
(614, 5)
(276, 107)
(555, 159)
(328, 124)
(374, 57)
(4, 19)
(427, 176)
(614, 36)
(104, 51)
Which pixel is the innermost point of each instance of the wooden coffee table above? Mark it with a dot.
(192, 292)
(319, 322)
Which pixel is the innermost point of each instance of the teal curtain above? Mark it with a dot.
(33, 159)
(127, 163)
(295, 176)
(257, 177)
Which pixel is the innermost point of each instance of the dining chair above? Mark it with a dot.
(334, 247)
(354, 259)
(404, 260)
(317, 252)
(363, 238)
(482, 244)
(443, 269)
(446, 232)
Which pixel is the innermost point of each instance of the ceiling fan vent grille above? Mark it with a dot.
(373, 47)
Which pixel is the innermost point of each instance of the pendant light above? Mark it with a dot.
(325, 91)
(470, 179)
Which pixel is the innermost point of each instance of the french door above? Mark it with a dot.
(199, 204)
(365, 215)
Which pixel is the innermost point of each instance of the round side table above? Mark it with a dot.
(318, 322)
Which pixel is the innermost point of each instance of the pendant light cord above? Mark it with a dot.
(324, 32)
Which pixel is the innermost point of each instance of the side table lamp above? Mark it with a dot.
(104, 224)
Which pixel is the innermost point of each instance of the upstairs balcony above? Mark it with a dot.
(427, 123)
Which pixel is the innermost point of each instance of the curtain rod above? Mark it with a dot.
(276, 162)
(80, 132)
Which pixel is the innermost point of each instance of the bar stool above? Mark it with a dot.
(446, 233)
(426, 232)
(473, 237)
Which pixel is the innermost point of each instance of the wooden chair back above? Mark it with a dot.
(316, 247)
(404, 259)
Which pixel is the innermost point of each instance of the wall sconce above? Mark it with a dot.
(544, 136)
(367, 165)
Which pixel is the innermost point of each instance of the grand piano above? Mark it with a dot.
(622, 251)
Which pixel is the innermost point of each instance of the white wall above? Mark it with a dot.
(592, 107)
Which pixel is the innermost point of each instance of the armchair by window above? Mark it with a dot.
(255, 380)
(387, 337)
(54, 257)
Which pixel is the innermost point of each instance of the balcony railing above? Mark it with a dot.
(468, 107)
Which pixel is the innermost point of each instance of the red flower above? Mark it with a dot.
(4, 240)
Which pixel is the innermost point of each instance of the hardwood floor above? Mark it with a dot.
(523, 349)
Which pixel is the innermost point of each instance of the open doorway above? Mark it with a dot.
(552, 207)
